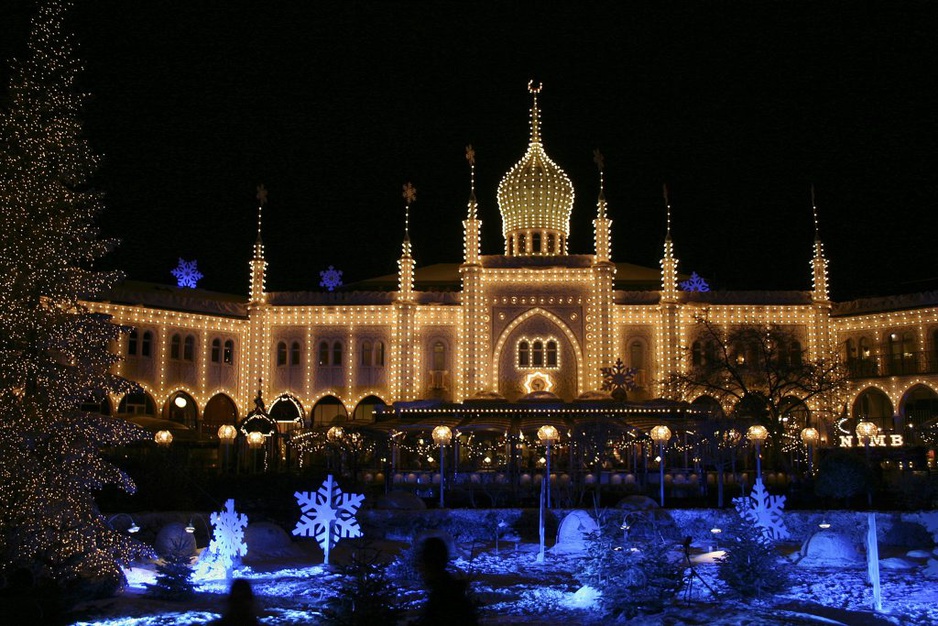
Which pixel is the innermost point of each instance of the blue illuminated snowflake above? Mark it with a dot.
(328, 514)
(695, 283)
(331, 278)
(187, 273)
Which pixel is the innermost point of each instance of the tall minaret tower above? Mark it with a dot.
(256, 363)
(602, 347)
(405, 353)
(668, 348)
(258, 264)
(819, 293)
(473, 354)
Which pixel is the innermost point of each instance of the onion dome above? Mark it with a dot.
(535, 199)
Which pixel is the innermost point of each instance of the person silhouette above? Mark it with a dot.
(447, 602)
(241, 610)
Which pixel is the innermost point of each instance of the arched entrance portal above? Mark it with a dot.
(365, 410)
(329, 411)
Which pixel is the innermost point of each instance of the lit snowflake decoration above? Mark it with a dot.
(228, 536)
(764, 510)
(618, 378)
(328, 515)
(694, 283)
(187, 273)
(331, 278)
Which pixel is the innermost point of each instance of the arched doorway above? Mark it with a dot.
(918, 408)
(287, 412)
(873, 405)
(220, 409)
(365, 410)
(180, 407)
(329, 410)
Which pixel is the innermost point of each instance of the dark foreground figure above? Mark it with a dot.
(447, 600)
(241, 610)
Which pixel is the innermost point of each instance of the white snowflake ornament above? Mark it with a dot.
(228, 536)
(328, 514)
(187, 273)
(763, 510)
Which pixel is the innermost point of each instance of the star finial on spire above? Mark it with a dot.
(817, 228)
(261, 201)
(667, 204)
(534, 89)
(410, 195)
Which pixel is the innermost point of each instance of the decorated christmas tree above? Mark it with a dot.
(54, 353)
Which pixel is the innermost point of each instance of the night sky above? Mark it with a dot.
(738, 107)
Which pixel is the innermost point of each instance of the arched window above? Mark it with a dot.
(697, 356)
(536, 243)
(637, 355)
(367, 354)
(439, 356)
(524, 354)
(228, 355)
(132, 343)
(281, 354)
(851, 349)
(337, 353)
(216, 350)
(550, 243)
(295, 353)
(147, 342)
(323, 353)
(188, 349)
(379, 353)
(537, 354)
(174, 344)
(794, 354)
(522, 244)
(551, 353)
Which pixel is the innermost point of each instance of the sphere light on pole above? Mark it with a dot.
(163, 438)
(757, 434)
(660, 434)
(548, 435)
(810, 437)
(442, 435)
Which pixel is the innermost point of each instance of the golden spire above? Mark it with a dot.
(535, 112)
(471, 158)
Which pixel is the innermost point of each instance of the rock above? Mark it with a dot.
(173, 540)
(265, 541)
(400, 501)
(828, 548)
(573, 531)
(637, 503)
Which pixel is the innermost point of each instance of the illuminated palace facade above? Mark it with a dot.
(533, 320)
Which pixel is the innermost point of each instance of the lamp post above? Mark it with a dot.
(548, 435)
(334, 436)
(810, 438)
(865, 432)
(442, 435)
(226, 435)
(757, 434)
(660, 434)
(255, 441)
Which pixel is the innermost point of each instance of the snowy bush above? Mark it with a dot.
(751, 566)
(633, 577)
(173, 579)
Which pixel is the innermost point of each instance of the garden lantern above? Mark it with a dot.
(660, 434)
(548, 436)
(757, 434)
(442, 435)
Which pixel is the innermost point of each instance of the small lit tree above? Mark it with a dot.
(54, 353)
(758, 369)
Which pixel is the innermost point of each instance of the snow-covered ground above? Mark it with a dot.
(514, 589)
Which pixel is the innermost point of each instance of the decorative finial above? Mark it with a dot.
(261, 201)
(535, 89)
(817, 229)
(471, 158)
(667, 204)
(600, 162)
(410, 195)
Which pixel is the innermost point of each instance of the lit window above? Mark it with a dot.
(439, 356)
